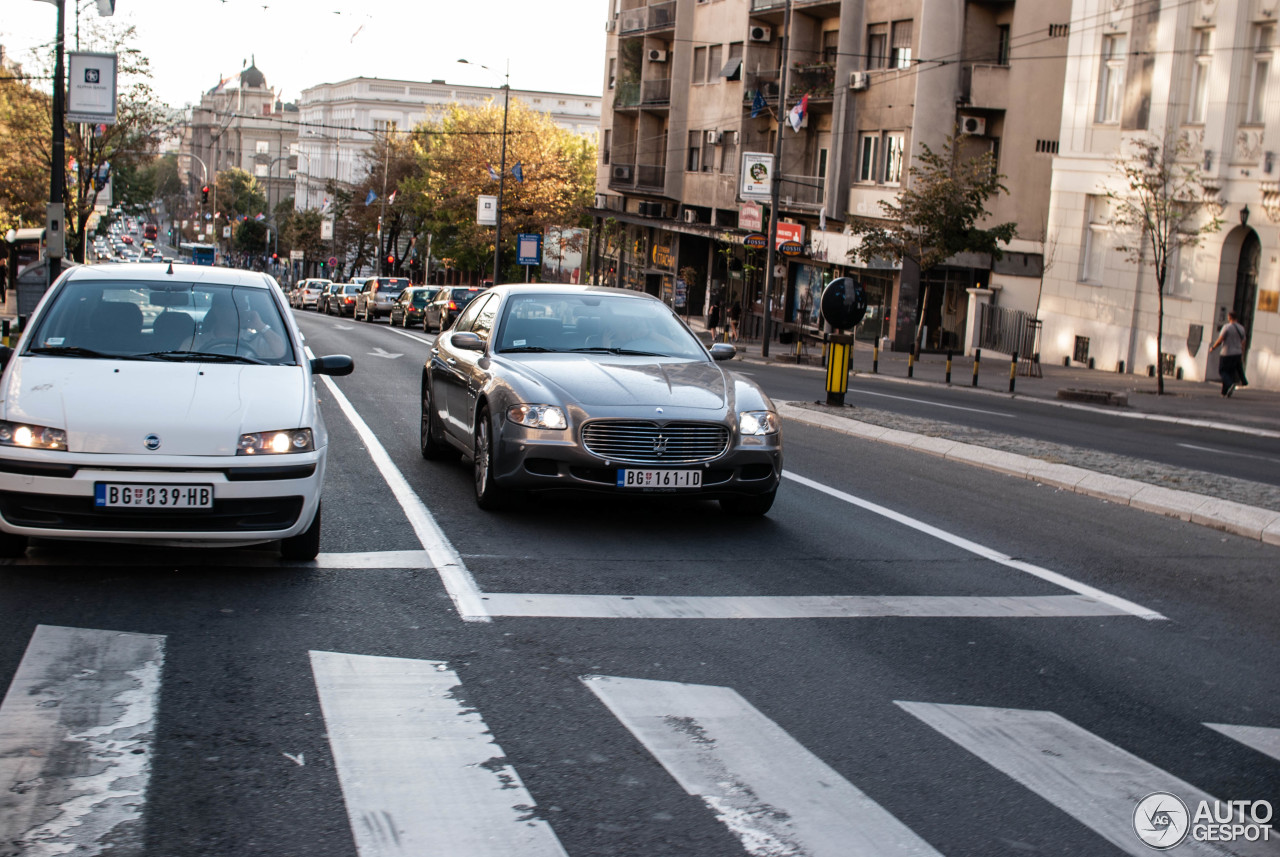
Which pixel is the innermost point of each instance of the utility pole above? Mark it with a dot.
(382, 210)
(502, 178)
(55, 221)
(771, 254)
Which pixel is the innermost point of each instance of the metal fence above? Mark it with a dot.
(1008, 331)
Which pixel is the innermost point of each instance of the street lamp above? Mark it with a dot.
(502, 168)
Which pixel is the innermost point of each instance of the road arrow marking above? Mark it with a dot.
(380, 352)
(1261, 738)
(297, 760)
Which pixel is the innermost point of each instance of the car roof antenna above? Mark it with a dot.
(170, 271)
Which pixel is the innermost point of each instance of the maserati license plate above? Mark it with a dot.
(659, 479)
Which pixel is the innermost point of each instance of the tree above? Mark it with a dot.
(1160, 206)
(454, 159)
(937, 215)
(24, 157)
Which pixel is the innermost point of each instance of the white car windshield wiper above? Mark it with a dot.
(628, 351)
(529, 349)
(201, 357)
(79, 351)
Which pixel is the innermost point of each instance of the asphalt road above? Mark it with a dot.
(953, 661)
(1238, 455)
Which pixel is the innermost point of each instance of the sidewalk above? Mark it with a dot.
(1249, 409)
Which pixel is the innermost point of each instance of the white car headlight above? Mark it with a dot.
(754, 423)
(31, 436)
(276, 442)
(537, 416)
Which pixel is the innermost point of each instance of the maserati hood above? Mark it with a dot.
(626, 381)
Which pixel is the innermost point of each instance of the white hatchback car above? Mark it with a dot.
(164, 405)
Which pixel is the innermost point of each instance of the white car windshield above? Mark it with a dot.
(162, 321)
(594, 323)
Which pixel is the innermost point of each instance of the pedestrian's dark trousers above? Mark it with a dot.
(1230, 370)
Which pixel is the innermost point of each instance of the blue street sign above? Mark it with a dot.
(529, 249)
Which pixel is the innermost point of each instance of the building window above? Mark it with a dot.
(1263, 37)
(893, 152)
(1095, 239)
(830, 46)
(1177, 281)
(708, 152)
(608, 144)
(1111, 79)
(695, 152)
(1002, 44)
(613, 73)
(1198, 94)
(900, 50)
(867, 157)
(263, 147)
(700, 65)
(728, 154)
(733, 62)
(877, 46)
(714, 53)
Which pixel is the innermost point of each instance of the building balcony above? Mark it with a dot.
(626, 94)
(648, 177)
(818, 81)
(985, 87)
(802, 193)
(648, 19)
(655, 92)
(766, 82)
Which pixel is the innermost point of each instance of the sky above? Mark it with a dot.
(553, 45)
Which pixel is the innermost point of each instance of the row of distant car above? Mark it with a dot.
(432, 308)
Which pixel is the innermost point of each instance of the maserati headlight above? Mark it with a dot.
(32, 437)
(276, 442)
(754, 423)
(537, 416)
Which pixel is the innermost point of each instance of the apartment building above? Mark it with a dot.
(241, 123)
(1199, 72)
(341, 121)
(694, 85)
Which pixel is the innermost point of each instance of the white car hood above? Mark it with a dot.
(110, 406)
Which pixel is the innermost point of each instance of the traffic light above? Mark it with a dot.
(204, 194)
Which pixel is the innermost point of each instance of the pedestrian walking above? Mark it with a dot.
(713, 318)
(1232, 340)
(735, 316)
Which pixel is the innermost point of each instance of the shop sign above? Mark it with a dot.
(757, 175)
(791, 248)
(789, 233)
(749, 216)
(755, 239)
(661, 256)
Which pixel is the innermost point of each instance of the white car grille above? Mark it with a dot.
(641, 442)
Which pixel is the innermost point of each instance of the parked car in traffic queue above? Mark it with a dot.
(446, 306)
(342, 299)
(376, 296)
(410, 308)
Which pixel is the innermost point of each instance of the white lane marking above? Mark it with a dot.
(379, 351)
(1261, 738)
(76, 732)
(1090, 779)
(343, 327)
(415, 337)
(453, 572)
(231, 557)
(1227, 452)
(419, 769)
(774, 795)
(931, 403)
(298, 760)
(982, 551)
(791, 607)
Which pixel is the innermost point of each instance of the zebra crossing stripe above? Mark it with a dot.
(1085, 776)
(419, 770)
(76, 729)
(1261, 738)
(773, 794)
(792, 606)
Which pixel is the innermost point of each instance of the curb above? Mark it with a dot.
(1237, 518)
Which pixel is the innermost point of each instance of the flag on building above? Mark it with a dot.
(518, 172)
(324, 206)
(757, 104)
(368, 200)
(797, 113)
(259, 216)
(493, 174)
(391, 200)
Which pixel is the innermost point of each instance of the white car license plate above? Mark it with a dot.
(659, 478)
(142, 496)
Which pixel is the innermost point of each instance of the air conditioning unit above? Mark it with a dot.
(690, 216)
(714, 138)
(975, 125)
(735, 137)
(859, 80)
(610, 25)
(656, 55)
(759, 33)
(622, 173)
